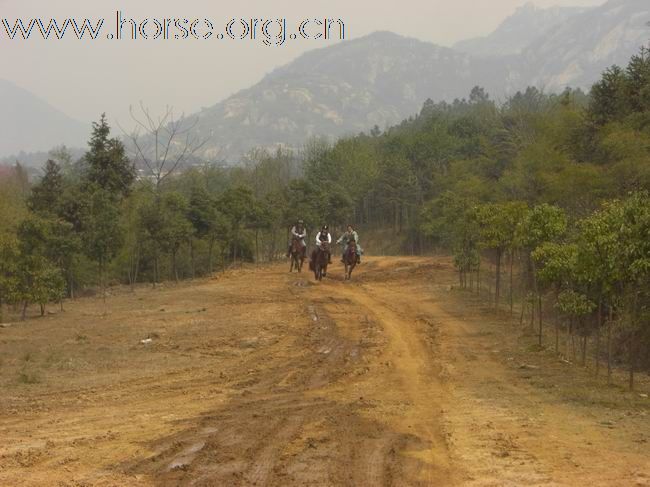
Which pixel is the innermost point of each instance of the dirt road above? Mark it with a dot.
(259, 377)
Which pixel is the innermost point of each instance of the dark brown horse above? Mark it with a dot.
(319, 259)
(297, 255)
(350, 258)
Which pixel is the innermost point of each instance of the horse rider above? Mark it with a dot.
(298, 232)
(348, 236)
(324, 236)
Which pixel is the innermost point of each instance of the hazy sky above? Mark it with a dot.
(84, 78)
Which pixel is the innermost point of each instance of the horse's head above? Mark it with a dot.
(325, 246)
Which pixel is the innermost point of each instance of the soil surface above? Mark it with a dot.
(259, 377)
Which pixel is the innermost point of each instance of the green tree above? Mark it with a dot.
(201, 214)
(45, 197)
(36, 279)
(175, 227)
(543, 223)
(107, 166)
(237, 204)
(498, 225)
(102, 234)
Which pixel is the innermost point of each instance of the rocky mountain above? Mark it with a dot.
(518, 31)
(30, 124)
(383, 78)
(575, 52)
(379, 80)
(344, 89)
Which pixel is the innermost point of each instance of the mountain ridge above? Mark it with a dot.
(382, 78)
(34, 124)
(518, 31)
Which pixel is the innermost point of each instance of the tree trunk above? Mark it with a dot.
(23, 315)
(632, 352)
(609, 345)
(42, 309)
(569, 338)
(154, 274)
(192, 258)
(632, 347)
(136, 271)
(497, 284)
(599, 324)
(539, 301)
(539, 316)
(396, 218)
(174, 269)
(70, 283)
(512, 258)
(573, 346)
(532, 314)
(210, 250)
(101, 283)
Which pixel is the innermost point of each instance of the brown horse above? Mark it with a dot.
(350, 258)
(319, 259)
(297, 255)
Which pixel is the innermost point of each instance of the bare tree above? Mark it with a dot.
(162, 144)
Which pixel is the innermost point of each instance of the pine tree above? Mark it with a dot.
(608, 97)
(106, 163)
(638, 81)
(46, 195)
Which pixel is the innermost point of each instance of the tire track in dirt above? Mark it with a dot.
(502, 431)
(262, 420)
(375, 460)
(416, 377)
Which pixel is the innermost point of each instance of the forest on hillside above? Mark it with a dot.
(542, 199)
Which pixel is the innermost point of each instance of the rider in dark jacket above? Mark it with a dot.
(324, 236)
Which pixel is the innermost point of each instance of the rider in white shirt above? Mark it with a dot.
(298, 232)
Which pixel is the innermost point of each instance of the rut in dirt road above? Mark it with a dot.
(329, 415)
